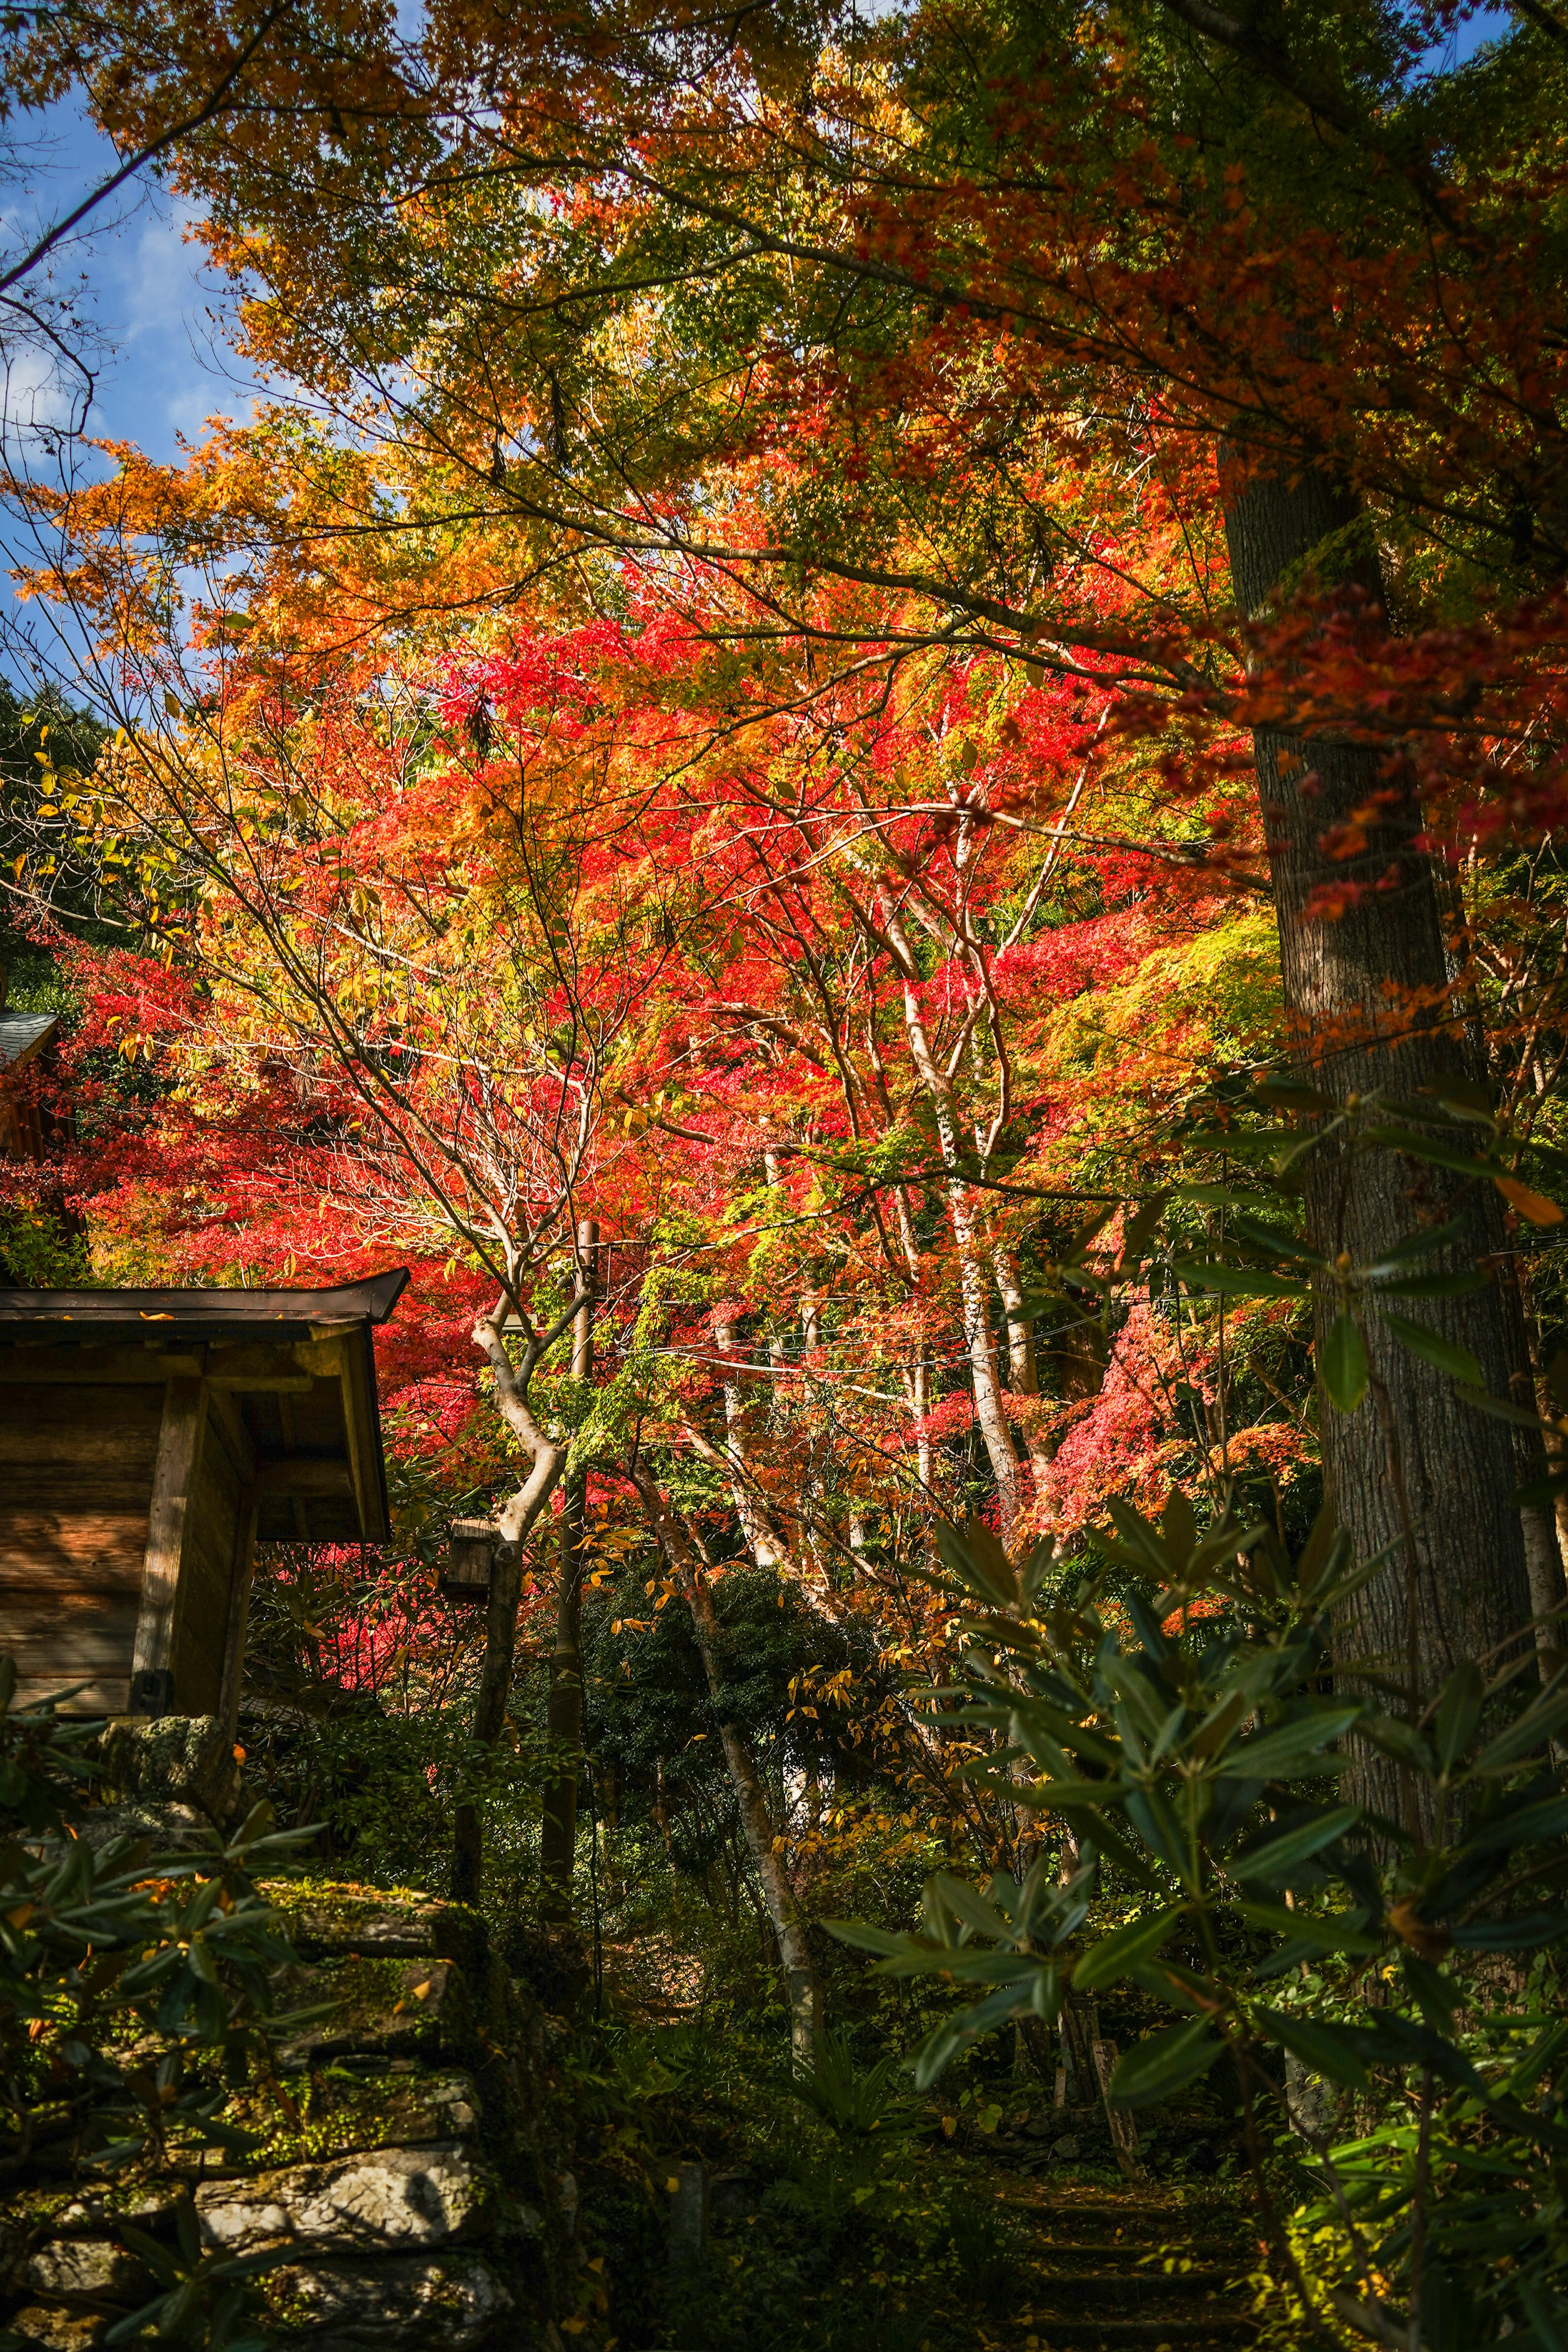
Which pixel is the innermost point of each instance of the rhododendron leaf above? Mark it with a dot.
(1179, 1528)
(1237, 1281)
(1459, 1713)
(1107, 1963)
(1342, 1364)
(1163, 2063)
(1294, 1749)
(1417, 1146)
(1342, 2053)
(1298, 1843)
(1521, 1416)
(1445, 1355)
(1433, 1286)
(1289, 1094)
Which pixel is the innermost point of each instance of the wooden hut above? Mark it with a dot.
(148, 1440)
(24, 1037)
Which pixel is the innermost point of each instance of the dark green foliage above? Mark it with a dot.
(1197, 1770)
(134, 1991)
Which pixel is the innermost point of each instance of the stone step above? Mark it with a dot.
(1185, 2332)
(1131, 2286)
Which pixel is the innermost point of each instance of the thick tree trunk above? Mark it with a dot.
(800, 1980)
(558, 1828)
(1364, 998)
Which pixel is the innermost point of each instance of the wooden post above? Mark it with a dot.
(557, 1833)
(243, 1572)
(173, 1479)
(1123, 2130)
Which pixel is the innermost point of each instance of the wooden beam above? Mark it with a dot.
(359, 1426)
(238, 1610)
(175, 1476)
(234, 1433)
(277, 1367)
(303, 1477)
(48, 1364)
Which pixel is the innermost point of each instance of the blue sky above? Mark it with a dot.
(165, 368)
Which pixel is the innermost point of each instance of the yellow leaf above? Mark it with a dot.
(1533, 1206)
(673, 2183)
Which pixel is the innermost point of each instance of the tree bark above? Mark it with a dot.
(558, 1828)
(804, 1989)
(514, 1521)
(1364, 999)
(969, 1236)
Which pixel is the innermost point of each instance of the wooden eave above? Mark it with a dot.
(290, 1376)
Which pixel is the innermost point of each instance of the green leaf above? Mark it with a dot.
(1525, 1932)
(1539, 1490)
(1298, 1845)
(1432, 1286)
(1342, 2053)
(1163, 2063)
(1342, 1365)
(883, 1941)
(1139, 1228)
(1237, 1281)
(1515, 1413)
(1107, 1962)
(1444, 1355)
(1422, 1147)
(1276, 1755)
(1548, 1818)
(1535, 1727)
(1459, 1712)
(1292, 1095)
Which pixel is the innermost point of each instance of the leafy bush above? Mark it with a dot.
(134, 1992)
(1198, 1767)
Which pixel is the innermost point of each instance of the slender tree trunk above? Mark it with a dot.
(1364, 996)
(751, 1509)
(969, 1236)
(514, 1523)
(558, 1829)
(1025, 1378)
(804, 1989)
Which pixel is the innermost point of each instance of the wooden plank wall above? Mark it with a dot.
(76, 1476)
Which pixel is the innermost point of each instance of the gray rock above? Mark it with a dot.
(44, 2328)
(85, 2267)
(437, 2306)
(173, 1760)
(173, 1828)
(1063, 2150)
(397, 2196)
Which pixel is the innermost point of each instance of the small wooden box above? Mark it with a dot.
(470, 1555)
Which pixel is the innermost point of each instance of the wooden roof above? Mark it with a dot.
(22, 1034)
(211, 1314)
(291, 1375)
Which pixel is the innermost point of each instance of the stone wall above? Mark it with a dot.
(406, 2181)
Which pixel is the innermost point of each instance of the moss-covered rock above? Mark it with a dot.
(329, 1919)
(363, 2104)
(409, 2008)
(401, 2152)
(447, 2305)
